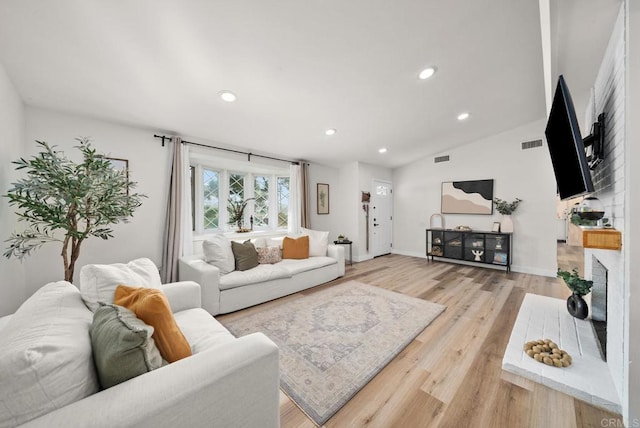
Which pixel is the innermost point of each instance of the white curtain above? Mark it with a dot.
(178, 236)
(186, 243)
(295, 198)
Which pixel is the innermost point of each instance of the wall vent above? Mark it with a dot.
(439, 159)
(531, 144)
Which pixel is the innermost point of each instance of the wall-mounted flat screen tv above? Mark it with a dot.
(566, 146)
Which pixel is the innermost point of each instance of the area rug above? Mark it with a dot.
(333, 342)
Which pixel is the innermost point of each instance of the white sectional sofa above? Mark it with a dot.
(48, 377)
(224, 293)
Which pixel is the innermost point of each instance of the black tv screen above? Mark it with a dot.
(566, 146)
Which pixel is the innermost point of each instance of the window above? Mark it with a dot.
(213, 188)
(261, 201)
(283, 201)
(211, 198)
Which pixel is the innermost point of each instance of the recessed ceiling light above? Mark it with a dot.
(382, 150)
(330, 131)
(463, 116)
(426, 73)
(228, 96)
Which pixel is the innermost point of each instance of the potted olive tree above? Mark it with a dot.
(579, 287)
(68, 202)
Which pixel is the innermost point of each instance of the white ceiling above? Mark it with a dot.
(298, 67)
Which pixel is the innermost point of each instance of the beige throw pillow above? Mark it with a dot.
(318, 242)
(217, 251)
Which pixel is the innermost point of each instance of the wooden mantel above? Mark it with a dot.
(587, 237)
(604, 239)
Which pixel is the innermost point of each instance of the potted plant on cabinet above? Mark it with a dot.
(579, 287)
(78, 200)
(506, 209)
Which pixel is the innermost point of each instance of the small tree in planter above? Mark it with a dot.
(579, 287)
(80, 199)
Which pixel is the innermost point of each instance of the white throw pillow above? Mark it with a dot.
(217, 251)
(98, 282)
(46, 360)
(318, 242)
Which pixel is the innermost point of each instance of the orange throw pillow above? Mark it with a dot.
(295, 248)
(151, 306)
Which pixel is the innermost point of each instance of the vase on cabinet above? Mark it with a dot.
(506, 225)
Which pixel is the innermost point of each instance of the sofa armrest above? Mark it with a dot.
(337, 252)
(235, 384)
(183, 295)
(193, 268)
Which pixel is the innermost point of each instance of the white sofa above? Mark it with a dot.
(48, 378)
(237, 290)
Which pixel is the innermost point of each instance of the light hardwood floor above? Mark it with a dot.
(450, 375)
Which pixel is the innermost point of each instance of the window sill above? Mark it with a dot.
(247, 235)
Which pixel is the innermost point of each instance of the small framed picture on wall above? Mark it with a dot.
(323, 198)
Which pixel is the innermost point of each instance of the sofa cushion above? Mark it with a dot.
(217, 251)
(45, 355)
(122, 345)
(201, 329)
(318, 242)
(295, 248)
(99, 282)
(260, 273)
(295, 267)
(245, 255)
(152, 307)
(269, 255)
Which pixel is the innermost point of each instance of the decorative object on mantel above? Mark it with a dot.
(506, 209)
(576, 305)
(436, 221)
(547, 352)
(590, 213)
(236, 207)
(68, 202)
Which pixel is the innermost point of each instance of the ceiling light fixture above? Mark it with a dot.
(382, 150)
(228, 96)
(426, 73)
(330, 131)
(463, 116)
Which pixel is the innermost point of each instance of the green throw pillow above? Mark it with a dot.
(122, 345)
(245, 254)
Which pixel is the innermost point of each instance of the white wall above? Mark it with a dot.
(526, 174)
(12, 291)
(631, 238)
(327, 222)
(346, 215)
(148, 164)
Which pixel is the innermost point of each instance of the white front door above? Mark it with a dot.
(381, 217)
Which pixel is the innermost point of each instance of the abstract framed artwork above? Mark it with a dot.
(467, 197)
(323, 198)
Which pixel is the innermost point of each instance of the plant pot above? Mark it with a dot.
(577, 307)
(506, 225)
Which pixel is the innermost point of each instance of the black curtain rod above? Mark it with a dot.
(249, 154)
